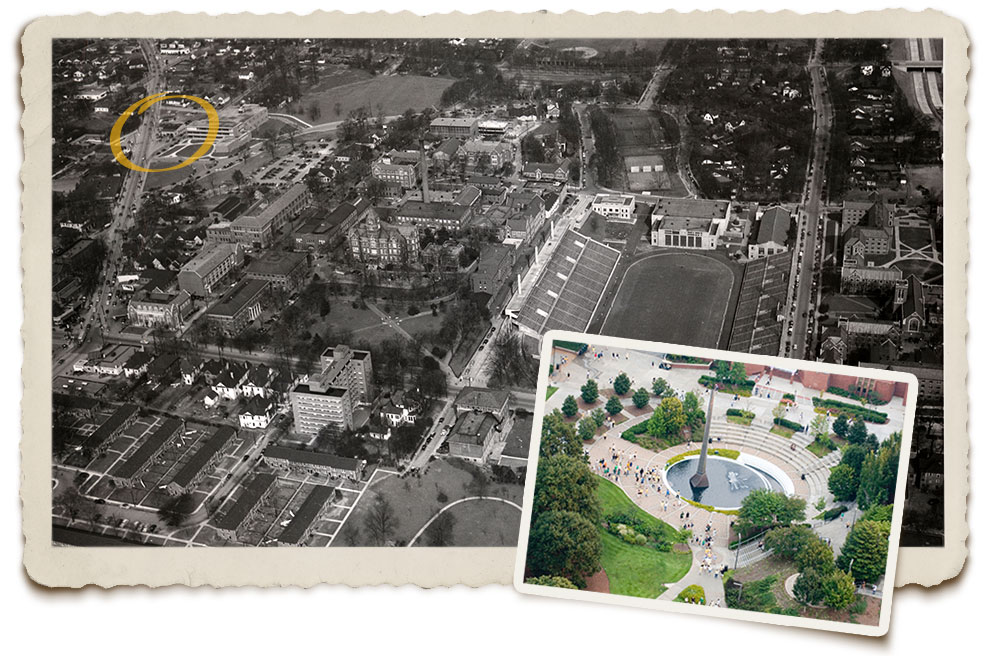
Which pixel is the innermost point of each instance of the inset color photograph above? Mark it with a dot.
(714, 482)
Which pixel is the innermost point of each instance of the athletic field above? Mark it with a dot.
(672, 297)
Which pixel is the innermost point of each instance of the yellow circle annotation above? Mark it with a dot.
(140, 106)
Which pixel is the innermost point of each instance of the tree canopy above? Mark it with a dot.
(565, 483)
(590, 391)
(564, 544)
(867, 543)
(764, 509)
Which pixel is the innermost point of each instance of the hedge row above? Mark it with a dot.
(790, 425)
(742, 413)
(630, 434)
(871, 398)
(681, 358)
(868, 415)
(832, 513)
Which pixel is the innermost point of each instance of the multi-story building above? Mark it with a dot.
(483, 153)
(438, 215)
(257, 226)
(482, 419)
(688, 223)
(159, 309)
(613, 206)
(239, 306)
(328, 399)
(236, 126)
(203, 461)
(231, 524)
(403, 175)
(872, 235)
(282, 269)
(771, 236)
(454, 127)
(377, 242)
(206, 272)
(257, 413)
(320, 233)
(496, 263)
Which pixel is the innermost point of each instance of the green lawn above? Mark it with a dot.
(634, 569)
(818, 449)
(739, 420)
(782, 431)
(551, 392)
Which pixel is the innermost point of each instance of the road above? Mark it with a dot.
(141, 145)
(805, 267)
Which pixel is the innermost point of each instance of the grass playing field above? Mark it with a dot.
(634, 569)
(672, 297)
(391, 94)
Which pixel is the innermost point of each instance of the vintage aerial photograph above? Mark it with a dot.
(299, 286)
(764, 487)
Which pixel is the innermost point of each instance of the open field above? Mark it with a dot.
(482, 523)
(672, 297)
(416, 498)
(391, 94)
(634, 569)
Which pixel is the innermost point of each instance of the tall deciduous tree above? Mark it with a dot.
(839, 590)
(843, 483)
(764, 509)
(559, 437)
(381, 521)
(841, 426)
(564, 544)
(565, 483)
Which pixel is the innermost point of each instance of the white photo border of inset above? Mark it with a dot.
(702, 610)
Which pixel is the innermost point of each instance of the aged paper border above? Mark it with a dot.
(910, 406)
(74, 567)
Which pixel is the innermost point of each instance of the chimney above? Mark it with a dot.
(424, 173)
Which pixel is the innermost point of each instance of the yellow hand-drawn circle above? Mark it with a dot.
(145, 103)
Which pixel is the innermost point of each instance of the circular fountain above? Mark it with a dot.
(729, 481)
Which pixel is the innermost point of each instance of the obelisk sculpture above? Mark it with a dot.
(700, 480)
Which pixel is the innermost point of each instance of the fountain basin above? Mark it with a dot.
(729, 480)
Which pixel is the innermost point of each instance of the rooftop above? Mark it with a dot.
(309, 510)
(691, 208)
(203, 456)
(312, 457)
(246, 502)
(473, 397)
(280, 263)
(238, 298)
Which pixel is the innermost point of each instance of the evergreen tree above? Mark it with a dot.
(621, 385)
(590, 392)
(640, 398)
(809, 587)
(867, 543)
(587, 428)
(599, 416)
(841, 426)
(614, 406)
(570, 407)
(871, 487)
(659, 387)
